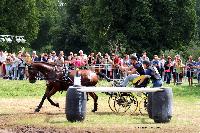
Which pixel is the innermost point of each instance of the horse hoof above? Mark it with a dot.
(94, 110)
(57, 105)
(108, 79)
(37, 110)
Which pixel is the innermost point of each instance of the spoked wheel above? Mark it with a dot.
(142, 105)
(134, 104)
(111, 102)
(120, 102)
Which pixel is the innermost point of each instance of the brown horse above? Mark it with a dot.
(56, 80)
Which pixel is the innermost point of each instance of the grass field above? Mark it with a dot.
(18, 100)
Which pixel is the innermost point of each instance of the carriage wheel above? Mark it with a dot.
(119, 103)
(142, 105)
(134, 104)
(122, 104)
(111, 102)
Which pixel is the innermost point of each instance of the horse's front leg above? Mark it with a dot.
(52, 92)
(41, 103)
(95, 98)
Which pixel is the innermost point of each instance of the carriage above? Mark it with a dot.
(133, 102)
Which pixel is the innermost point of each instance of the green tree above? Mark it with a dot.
(19, 18)
(49, 23)
(149, 25)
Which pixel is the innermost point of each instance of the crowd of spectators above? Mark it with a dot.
(13, 66)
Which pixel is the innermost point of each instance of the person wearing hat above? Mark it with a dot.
(133, 71)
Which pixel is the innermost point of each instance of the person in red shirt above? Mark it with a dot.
(116, 64)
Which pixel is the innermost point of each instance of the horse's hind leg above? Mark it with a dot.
(95, 98)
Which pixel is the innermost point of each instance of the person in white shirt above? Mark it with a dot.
(2, 62)
(15, 63)
(59, 61)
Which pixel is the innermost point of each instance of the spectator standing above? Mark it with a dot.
(190, 65)
(27, 60)
(155, 62)
(21, 67)
(2, 63)
(144, 57)
(99, 58)
(53, 56)
(83, 58)
(91, 59)
(8, 65)
(168, 69)
(162, 68)
(107, 65)
(179, 70)
(116, 64)
(34, 56)
(15, 64)
(198, 70)
(71, 55)
(59, 61)
(45, 57)
(125, 63)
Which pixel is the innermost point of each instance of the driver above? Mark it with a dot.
(135, 70)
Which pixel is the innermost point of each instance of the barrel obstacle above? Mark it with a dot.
(159, 107)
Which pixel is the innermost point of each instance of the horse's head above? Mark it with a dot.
(32, 73)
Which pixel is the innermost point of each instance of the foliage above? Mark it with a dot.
(101, 25)
(143, 24)
(19, 18)
(50, 18)
(192, 49)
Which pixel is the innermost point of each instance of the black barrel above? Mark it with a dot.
(162, 105)
(149, 104)
(75, 108)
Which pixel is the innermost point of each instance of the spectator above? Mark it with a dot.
(198, 70)
(15, 66)
(168, 69)
(45, 57)
(2, 63)
(99, 58)
(156, 62)
(34, 56)
(21, 67)
(162, 68)
(179, 70)
(116, 64)
(71, 55)
(91, 59)
(49, 59)
(190, 70)
(59, 61)
(107, 65)
(8, 65)
(27, 59)
(144, 57)
(53, 56)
